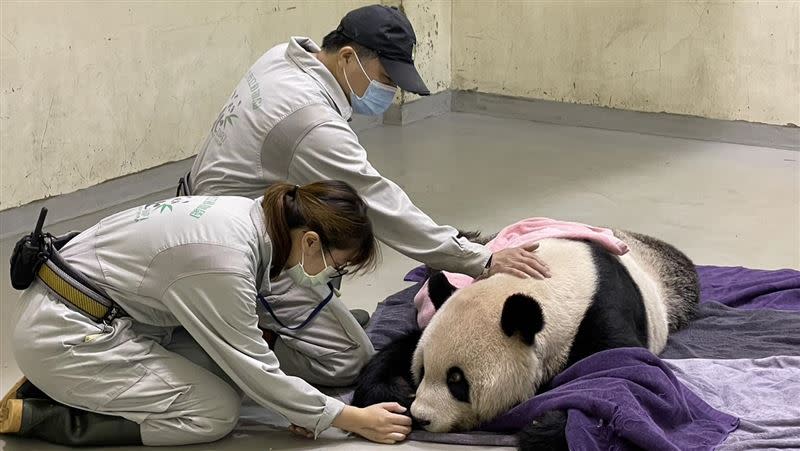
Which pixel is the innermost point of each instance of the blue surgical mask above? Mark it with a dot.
(376, 99)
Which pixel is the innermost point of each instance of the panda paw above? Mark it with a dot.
(548, 432)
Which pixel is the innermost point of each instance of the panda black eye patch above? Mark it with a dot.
(457, 384)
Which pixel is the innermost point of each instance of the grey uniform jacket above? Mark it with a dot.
(199, 262)
(287, 121)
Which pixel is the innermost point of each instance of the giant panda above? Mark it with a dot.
(499, 341)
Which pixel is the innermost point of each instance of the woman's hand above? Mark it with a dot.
(302, 432)
(519, 261)
(382, 423)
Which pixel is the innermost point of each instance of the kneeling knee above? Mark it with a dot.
(218, 428)
(204, 420)
(220, 418)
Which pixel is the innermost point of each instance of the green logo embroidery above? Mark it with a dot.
(142, 214)
(255, 91)
(200, 210)
(226, 117)
(162, 206)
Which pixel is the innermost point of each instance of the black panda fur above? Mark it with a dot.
(547, 432)
(616, 317)
(387, 377)
(679, 270)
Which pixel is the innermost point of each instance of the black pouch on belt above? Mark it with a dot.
(32, 250)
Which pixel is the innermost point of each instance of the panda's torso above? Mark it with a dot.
(599, 300)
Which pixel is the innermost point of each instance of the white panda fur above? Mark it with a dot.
(654, 303)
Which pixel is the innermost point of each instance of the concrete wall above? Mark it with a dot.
(91, 91)
(716, 59)
(432, 20)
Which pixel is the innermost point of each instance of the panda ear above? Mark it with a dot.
(522, 314)
(439, 289)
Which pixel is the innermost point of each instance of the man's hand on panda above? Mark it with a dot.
(519, 261)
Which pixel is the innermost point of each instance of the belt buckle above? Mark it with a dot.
(111, 315)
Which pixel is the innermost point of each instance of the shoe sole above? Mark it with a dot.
(11, 410)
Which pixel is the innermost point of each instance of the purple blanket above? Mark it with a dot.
(625, 399)
(750, 289)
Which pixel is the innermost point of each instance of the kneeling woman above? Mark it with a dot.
(187, 274)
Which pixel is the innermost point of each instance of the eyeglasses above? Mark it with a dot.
(341, 270)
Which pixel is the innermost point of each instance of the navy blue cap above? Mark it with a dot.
(386, 31)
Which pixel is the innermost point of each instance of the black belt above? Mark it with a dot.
(36, 255)
(184, 185)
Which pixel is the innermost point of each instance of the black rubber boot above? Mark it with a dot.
(56, 423)
(362, 316)
(29, 391)
(26, 411)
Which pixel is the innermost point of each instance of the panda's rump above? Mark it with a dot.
(674, 273)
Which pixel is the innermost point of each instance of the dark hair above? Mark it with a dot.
(331, 208)
(335, 40)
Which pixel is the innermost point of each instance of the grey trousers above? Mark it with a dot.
(159, 377)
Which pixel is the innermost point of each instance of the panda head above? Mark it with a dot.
(478, 356)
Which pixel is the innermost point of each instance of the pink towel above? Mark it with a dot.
(519, 234)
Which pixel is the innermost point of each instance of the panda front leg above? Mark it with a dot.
(547, 432)
(387, 377)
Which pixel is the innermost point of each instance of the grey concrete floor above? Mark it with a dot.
(723, 204)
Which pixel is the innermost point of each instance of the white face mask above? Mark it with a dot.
(299, 275)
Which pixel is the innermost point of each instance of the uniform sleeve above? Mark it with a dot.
(219, 311)
(331, 151)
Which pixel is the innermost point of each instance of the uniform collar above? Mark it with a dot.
(301, 52)
(264, 246)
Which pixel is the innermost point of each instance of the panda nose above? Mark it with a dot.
(419, 422)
